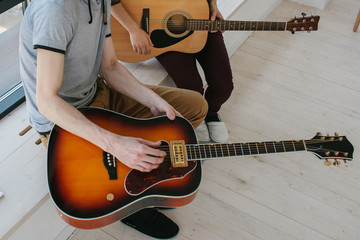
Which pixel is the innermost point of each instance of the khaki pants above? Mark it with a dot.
(190, 104)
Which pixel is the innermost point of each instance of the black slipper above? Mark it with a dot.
(152, 223)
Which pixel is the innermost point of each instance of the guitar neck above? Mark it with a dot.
(207, 151)
(226, 25)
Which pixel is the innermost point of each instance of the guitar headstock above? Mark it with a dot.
(303, 24)
(331, 147)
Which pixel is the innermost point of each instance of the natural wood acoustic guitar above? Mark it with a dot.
(183, 26)
(91, 188)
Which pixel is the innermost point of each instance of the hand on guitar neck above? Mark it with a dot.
(215, 14)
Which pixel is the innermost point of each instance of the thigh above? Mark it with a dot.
(182, 69)
(190, 104)
(215, 62)
(108, 98)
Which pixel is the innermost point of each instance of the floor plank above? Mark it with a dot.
(286, 87)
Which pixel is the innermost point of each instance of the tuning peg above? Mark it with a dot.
(327, 134)
(318, 134)
(341, 138)
(327, 153)
(346, 154)
(304, 15)
(345, 163)
(336, 162)
(336, 153)
(336, 134)
(327, 163)
(312, 17)
(295, 21)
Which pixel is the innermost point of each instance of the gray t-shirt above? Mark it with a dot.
(63, 26)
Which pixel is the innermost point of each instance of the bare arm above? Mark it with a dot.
(123, 81)
(50, 67)
(133, 152)
(140, 40)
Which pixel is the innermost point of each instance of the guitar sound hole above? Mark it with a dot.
(176, 24)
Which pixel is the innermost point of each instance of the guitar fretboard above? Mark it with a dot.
(226, 25)
(206, 151)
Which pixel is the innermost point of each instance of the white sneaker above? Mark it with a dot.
(218, 132)
(202, 133)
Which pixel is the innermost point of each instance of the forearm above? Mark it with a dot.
(69, 118)
(124, 82)
(121, 15)
(133, 152)
(50, 67)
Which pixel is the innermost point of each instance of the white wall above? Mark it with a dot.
(321, 4)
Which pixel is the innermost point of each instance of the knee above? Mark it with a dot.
(197, 107)
(202, 105)
(198, 103)
(224, 89)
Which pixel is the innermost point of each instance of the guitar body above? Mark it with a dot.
(82, 189)
(164, 18)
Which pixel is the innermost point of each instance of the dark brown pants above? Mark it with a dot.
(190, 104)
(215, 62)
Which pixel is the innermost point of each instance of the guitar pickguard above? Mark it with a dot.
(161, 39)
(138, 182)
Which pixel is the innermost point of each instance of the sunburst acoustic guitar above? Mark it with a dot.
(182, 26)
(91, 188)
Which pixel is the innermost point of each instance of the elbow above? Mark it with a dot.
(41, 103)
(44, 102)
(109, 67)
(113, 62)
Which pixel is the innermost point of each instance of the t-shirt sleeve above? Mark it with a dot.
(108, 30)
(52, 27)
(114, 2)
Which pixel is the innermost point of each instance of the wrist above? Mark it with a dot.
(106, 141)
(133, 29)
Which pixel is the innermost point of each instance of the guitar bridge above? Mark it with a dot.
(178, 153)
(110, 164)
(145, 21)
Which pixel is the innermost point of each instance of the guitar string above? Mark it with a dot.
(209, 21)
(168, 158)
(244, 152)
(227, 24)
(260, 144)
(233, 154)
(273, 142)
(249, 147)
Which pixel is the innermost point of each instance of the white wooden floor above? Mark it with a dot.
(286, 87)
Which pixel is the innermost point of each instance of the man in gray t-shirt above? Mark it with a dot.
(65, 45)
(62, 27)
